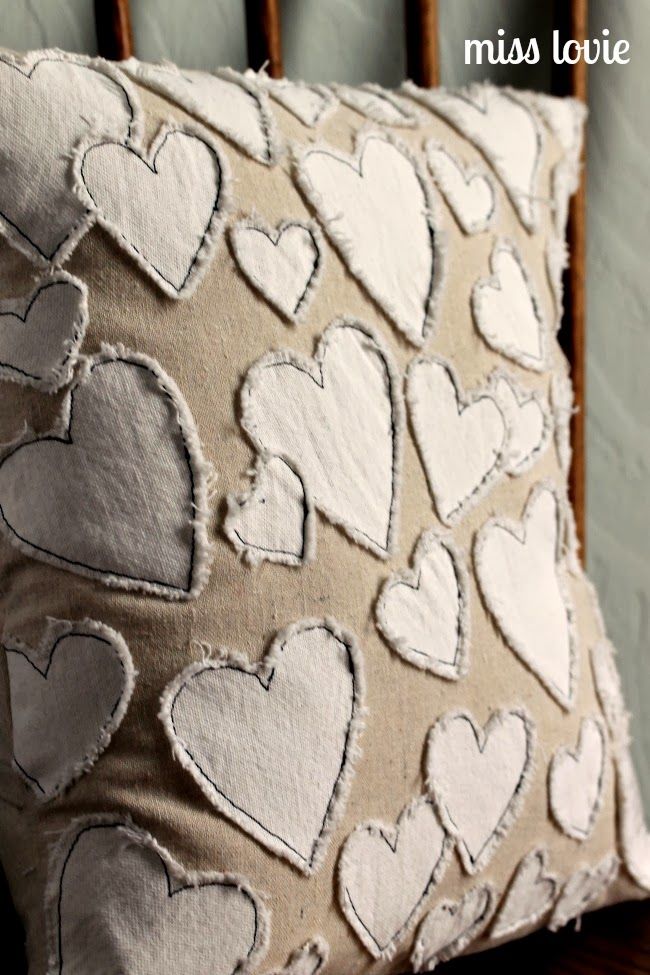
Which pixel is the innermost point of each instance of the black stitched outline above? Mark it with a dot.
(358, 157)
(152, 167)
(266, 680)
(572, 753)
(319, 361)
(170, 893)
(78, 331)
(275, 241)
(306, 511)
(67, 440)
(45, 673)
(28, 74)
(462, 167)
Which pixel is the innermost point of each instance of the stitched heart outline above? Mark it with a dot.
(146, 379)
(568, 780)
(26, 697)
(181, 280)
(519, 404)
(529, 897)
(378, 104)
(53, 368)
(308, 960)
(451, 926)
(115, 839)
(582, 890)
(455, 181)
(228, 683)
(310, 104)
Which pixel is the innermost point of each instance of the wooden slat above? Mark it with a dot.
(422, 48)
(113, 29)
(264, 36)
(571, 20)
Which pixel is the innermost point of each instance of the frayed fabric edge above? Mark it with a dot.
(419, 957)
(565, 751)
(523, 396)
(499, 930)
(469, 174)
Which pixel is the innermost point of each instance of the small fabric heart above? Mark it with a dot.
(583, 890)
(378, 104)
(308, 960)
(528, 419)
(576, 781)
(469, 192)
(451, 926)
(310, 104)
(529, 898)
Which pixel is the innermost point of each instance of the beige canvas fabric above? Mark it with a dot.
(210, 344)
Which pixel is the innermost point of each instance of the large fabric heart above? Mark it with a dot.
(67, 700)
(386, 872)
(121, 495)
(39, 213)
(375, 209)
(576, 779)
(164, 207)
(338, 418)
(518, 574)
(122, 904)
(478, 777)
(451, 926)
(270, 745)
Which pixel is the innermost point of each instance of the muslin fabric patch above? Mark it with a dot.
(500, 124)
(529, 897)
(506, 310)
(375, 207)
(226, 101)
(378, 104)
(119, 492)
(117, 895)
(478, 778)
(520, 576)
(275, 520)
(310, 104)
(469, 191)
(385, 873)
(68, 696)
(40, 334)
(461, 437)
(338, 418)
(282, 263)
(39, 213)
(528, 419)
(576, 779)
(451, 926)
(164, 206)
(308, 960)
(423, 612)
(582, 891)
(272, 745)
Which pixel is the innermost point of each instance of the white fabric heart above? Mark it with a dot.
(40, 335)
(583, 890)
(308, 960)
(424, 612)
(283, 263)
(528, 419)
(67, 699)
(226, 101)
(385, 873)
(164, 207)
(374, 206)
(518, 571)
(378, 104)
(310, 104)
(338, 418)
(478, 778)
(39, 213)
(576, 779)
(529, 898)
(271, 744)
(451, 926)
(502, 126)
(117, 896)
(562, 401)
(274, 521)
(460, 437)
(506, 311)
(120, 495)
(468, 191)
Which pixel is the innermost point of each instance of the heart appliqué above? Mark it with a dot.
(67, 699)
(271, 744)
(378, 104)
(274, 521)
(528, 419)
(583, 890)
(164, 207)
(469, 192)
(308, 960)
(478, 777)
(451, 926)
(518, 570)
(39, 213)
(40, 335)
(507, 313)
(310, 104)
(338, 418)
(119, 896)
(283, 263)
(375, 208)
(386, 872)
(121, 494)
(424, 612)
(576, 781)
(461, 438)
(530, 896)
